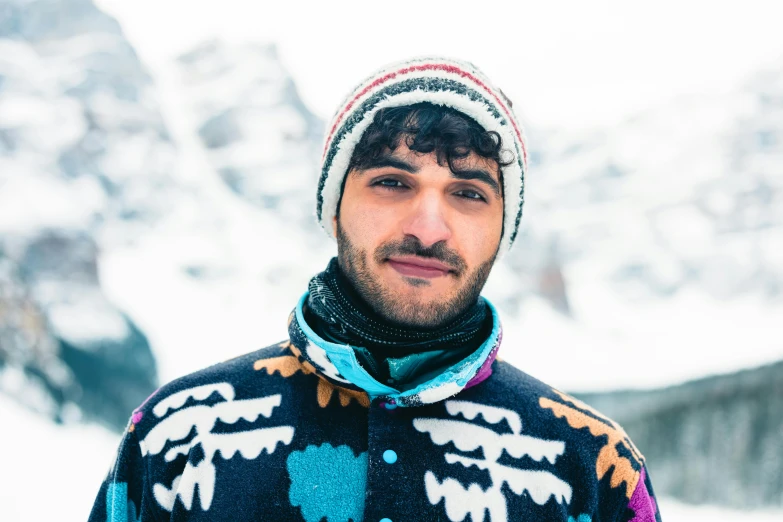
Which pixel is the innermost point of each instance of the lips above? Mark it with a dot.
(419, 267)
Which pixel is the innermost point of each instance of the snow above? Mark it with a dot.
(50, 472)
(252, 265)
(29, 203)
(84, 321)
(674, 511)
(29, 393)
(661, 344)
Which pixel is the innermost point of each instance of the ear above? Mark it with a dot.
(334, 225)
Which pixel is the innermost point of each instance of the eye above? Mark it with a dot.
(388, 183)
(470, 194)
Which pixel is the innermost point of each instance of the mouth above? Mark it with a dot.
(413, 266)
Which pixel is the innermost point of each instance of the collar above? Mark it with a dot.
(338, 364)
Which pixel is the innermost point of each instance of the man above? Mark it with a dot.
(387, 402)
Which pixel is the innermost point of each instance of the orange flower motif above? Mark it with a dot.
(327, 389)
(288, 365)
(608, 458)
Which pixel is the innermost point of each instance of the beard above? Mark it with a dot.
(401, 309)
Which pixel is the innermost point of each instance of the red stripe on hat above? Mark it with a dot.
(444, 67)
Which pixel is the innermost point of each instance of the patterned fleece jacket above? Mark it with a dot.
(299, 431)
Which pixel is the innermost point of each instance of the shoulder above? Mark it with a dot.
(220, 382)
(553, 414)
(527, 389)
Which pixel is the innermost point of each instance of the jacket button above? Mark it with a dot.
(390, 405)
(390, 456)
(385, 520)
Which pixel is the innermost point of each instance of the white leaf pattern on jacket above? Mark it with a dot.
(177, 426)
(472, 500)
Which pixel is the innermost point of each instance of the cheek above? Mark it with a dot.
(368, 225)
(478, 238)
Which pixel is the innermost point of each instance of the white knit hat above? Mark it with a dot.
(440, 81)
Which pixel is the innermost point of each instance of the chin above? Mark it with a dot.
(416, 308)
(414, 318)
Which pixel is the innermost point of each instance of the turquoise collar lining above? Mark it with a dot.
(454, 378)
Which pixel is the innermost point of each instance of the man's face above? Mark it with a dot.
(417, 240)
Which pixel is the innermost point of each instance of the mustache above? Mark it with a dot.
(411, 246)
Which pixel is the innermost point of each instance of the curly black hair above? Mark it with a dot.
(428, 128)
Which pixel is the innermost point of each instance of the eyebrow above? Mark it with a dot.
(467, 174)
(388, 161)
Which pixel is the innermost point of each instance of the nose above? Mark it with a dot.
(427, 220)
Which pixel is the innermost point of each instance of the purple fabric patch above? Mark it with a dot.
(641, 502)
(486, 369)
(137, 413)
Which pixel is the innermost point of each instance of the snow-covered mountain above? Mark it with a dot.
(684, 196)
(668, 233)
(81, 135)
(65, 350)
(84, 162)
(257, 133)
(219, 277)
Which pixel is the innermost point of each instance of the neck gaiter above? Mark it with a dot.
(397, 355)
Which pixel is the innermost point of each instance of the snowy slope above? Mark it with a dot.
(83, 143)
(258, 135)
(668, 231)
(84, 161)
(65, 350)
(51, 472)
(675, 511)
(219, 278)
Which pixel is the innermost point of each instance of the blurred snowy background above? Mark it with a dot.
(158, 163)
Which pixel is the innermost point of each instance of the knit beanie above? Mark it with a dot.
(440, 81)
